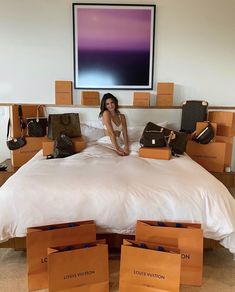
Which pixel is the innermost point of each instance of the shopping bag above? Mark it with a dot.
(190, 243)
(38, 239)
(68, 124)
(80, 268)
(148, 267)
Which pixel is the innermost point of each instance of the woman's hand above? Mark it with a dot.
(126, 150)
(120, 152)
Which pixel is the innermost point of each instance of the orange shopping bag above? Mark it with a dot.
(190, 244)
(79, 268)
(40, 238)
(148, 267)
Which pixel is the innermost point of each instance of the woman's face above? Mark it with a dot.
(110, 105)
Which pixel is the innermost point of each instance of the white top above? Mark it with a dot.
(115, 127)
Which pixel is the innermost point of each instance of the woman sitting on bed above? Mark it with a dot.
(114, 124)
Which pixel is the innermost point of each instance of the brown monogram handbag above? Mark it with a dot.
(67, 124)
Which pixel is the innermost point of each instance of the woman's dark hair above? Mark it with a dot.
(103, 103)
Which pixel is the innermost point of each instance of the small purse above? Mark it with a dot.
(63, 147)
(14, 143)
(37, 127)
(205, 136)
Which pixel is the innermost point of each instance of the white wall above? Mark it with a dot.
(195, 48)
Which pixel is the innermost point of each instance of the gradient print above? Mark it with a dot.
(113, 46)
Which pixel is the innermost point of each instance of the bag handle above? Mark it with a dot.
(38, 109)
(22, 123)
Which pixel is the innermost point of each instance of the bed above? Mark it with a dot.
(115, 191)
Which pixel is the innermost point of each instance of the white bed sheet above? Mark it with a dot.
(115, 191)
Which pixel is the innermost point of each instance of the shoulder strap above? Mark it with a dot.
(20, 114)
(8, 128)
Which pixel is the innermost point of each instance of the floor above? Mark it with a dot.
(218, 274)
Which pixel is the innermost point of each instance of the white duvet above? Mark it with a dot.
(115, 191)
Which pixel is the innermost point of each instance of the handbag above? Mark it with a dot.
(153, 138)
(63, 147)
(15, 143)
(177, 141)
(205, 136)
(68, 124)
(37, 126)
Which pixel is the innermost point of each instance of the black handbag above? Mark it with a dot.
(68, 124)
(205, 136)
(177, 141)
(15, 143)
(63, 147)
(37, 126)
(153, 138)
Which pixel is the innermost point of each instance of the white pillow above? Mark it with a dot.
(91, 133)
(135, 133)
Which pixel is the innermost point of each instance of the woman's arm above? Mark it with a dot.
(106, 118)
(125, 134)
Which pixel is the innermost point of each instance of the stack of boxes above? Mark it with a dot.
(217, 155)
(63, 92)
(165, 93)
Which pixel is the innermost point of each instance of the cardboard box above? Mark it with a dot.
(141, 99)
(213, 156)
(202, 125)
(25, 153)
(90, 98)
(165, 88)
(63, 92)
(225, 122)
(48, 145)
(164, 100)
(64, 98)
(28, 112)
(155, 152)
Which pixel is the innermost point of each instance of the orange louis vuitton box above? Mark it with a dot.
(164, 100)
(22, 155)
(148, 267)
(80, 267)
(63, 92)
(190, 244)
(39, 238)
(155, 152)
(225, 122)
(214, 156)
(90, 98)
(165, 88)
(141, 99)
(48, 145)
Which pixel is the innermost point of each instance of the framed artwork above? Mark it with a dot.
(113, 46)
